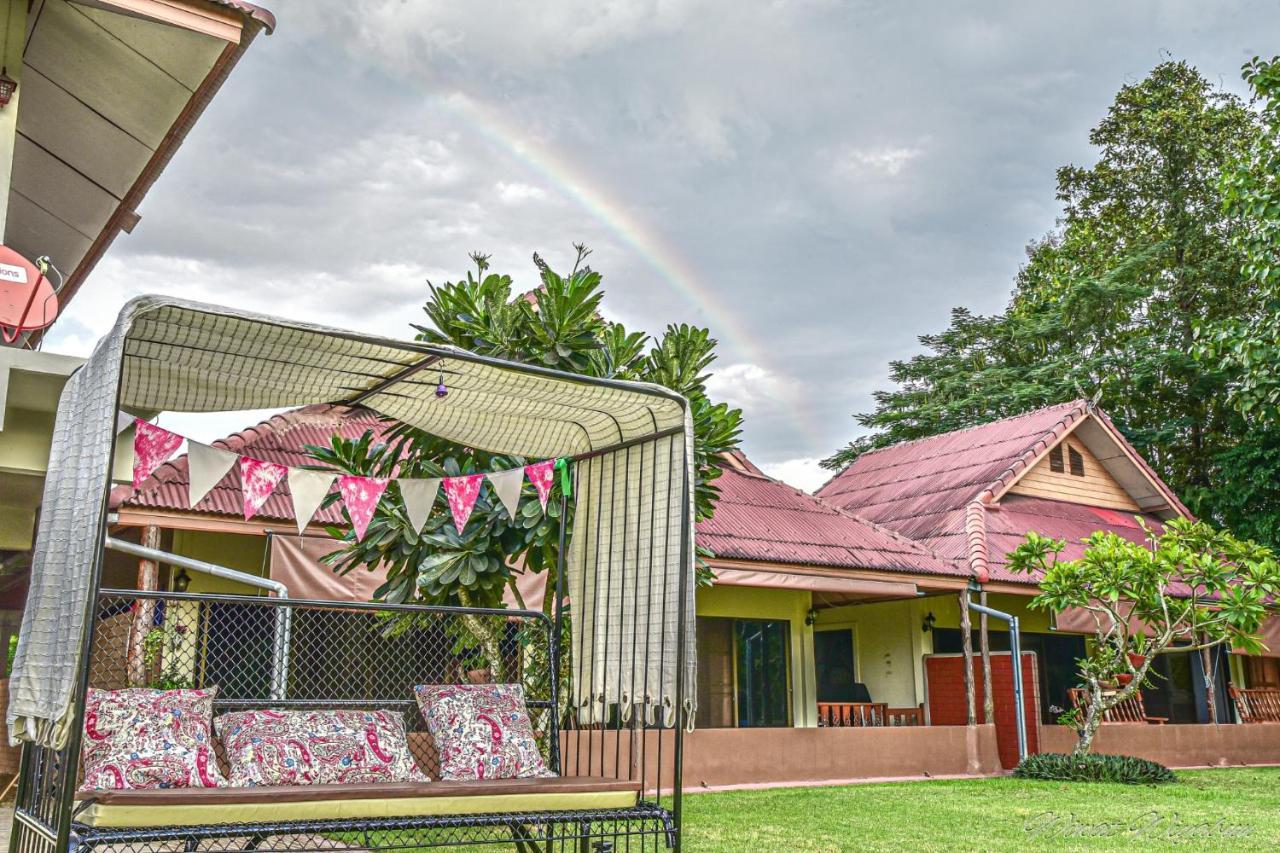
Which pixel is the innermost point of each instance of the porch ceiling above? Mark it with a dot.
(109, 90)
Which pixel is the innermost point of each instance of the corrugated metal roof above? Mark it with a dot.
(762, 519)
(923, 489)
(916, 487)
(280, 439)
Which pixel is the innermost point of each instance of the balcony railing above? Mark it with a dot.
(867, 714)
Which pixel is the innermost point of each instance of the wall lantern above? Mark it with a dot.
(7, 87)
(811, 617)
(929, 622)
(181, 581)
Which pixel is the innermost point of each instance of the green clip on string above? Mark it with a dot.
(562, 465)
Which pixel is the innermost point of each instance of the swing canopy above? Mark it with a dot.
(630, 558)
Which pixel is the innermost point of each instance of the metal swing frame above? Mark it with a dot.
(45, 819)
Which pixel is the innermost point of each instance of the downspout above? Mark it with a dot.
(1015, 649)
(281, 641)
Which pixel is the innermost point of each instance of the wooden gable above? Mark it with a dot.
(1070, 472)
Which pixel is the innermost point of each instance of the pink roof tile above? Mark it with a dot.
(761, 519)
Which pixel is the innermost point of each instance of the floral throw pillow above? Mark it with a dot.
(316, 747)
(482, 731)
(143, 738)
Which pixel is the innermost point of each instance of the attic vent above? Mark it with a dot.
(1055, 459)
(1077, 462)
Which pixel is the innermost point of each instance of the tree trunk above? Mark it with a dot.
(1210, 693)
(144, 610)
(488, 637)
(966, 641)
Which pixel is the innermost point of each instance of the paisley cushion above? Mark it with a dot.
(482, 731)
(316, 747)
(141, 738)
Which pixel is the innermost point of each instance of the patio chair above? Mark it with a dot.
(1257, 704)
(1132, 710)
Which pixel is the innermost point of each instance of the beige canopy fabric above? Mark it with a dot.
(295, 562)
(173, 355)
(850, 587)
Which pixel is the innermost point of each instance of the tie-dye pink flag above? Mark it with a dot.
(258, 480)
(361, 496)
(152, 447)
(462, 493)
(542, 475)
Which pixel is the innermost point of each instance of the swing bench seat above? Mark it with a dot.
(188, 807)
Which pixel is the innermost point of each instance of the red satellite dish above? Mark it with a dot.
(27, 299)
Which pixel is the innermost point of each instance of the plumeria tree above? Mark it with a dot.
(1187, 587)
(556, 324)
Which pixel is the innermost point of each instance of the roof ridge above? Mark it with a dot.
(1081, 409)
(910, 441)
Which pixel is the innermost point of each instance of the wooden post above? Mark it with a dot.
(984, 641)
(145, 609)
(966, 640)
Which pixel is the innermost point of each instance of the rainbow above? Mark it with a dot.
(628, 228)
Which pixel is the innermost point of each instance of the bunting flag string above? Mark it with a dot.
(259, 479)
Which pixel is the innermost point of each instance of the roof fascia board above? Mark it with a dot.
(1143, 468)
(199, 18)
(920, 578)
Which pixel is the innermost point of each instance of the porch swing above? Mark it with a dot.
(613, 746)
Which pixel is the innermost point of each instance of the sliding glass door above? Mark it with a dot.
(744, 676)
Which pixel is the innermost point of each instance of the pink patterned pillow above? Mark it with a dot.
(316, 747)
(482, 731)
(143, 738)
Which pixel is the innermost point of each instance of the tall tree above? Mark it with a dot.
(557, 325)
(1111, 300)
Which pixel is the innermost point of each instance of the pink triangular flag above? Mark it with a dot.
(462, 493)
(542, 475)
(152, 447)
(361, 496)
(258, 480)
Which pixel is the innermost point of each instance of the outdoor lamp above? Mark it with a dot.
(7, 87)
(181, 581)
(929, 622)
(811, 617)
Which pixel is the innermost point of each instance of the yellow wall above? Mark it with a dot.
(742, 602)
(13, 21)
(889, 647)
(242, 553)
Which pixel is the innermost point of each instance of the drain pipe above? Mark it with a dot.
(1015, 649)
(283, 627)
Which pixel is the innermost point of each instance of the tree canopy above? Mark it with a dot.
(1147, 253)
(559, 325)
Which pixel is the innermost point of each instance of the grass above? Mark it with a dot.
(1230, 809)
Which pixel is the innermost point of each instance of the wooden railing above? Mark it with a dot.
(1258, 704)
(1131, 710)
(860, 714)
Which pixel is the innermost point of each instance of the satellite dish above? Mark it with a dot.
(27, 299)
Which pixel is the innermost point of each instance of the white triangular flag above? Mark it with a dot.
(308, 489)
(419, 497)
(206, 466)
(507, 485)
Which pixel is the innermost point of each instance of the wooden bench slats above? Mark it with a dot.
(1257, 704)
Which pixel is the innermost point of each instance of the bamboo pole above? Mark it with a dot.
(984, 641)
(966, 639)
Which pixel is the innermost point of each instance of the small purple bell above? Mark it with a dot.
(442, 390)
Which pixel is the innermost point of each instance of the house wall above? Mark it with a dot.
(235, 551)
(1096, 488)
(740, 602)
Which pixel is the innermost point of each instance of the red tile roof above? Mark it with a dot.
(281, 439)
(764, 520)
(937, 490)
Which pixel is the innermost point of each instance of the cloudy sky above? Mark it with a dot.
(817, 181)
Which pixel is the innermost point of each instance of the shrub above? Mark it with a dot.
(1093, 768)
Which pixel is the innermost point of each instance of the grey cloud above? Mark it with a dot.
(839, 174)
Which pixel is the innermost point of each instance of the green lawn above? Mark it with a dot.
(1236, 809)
